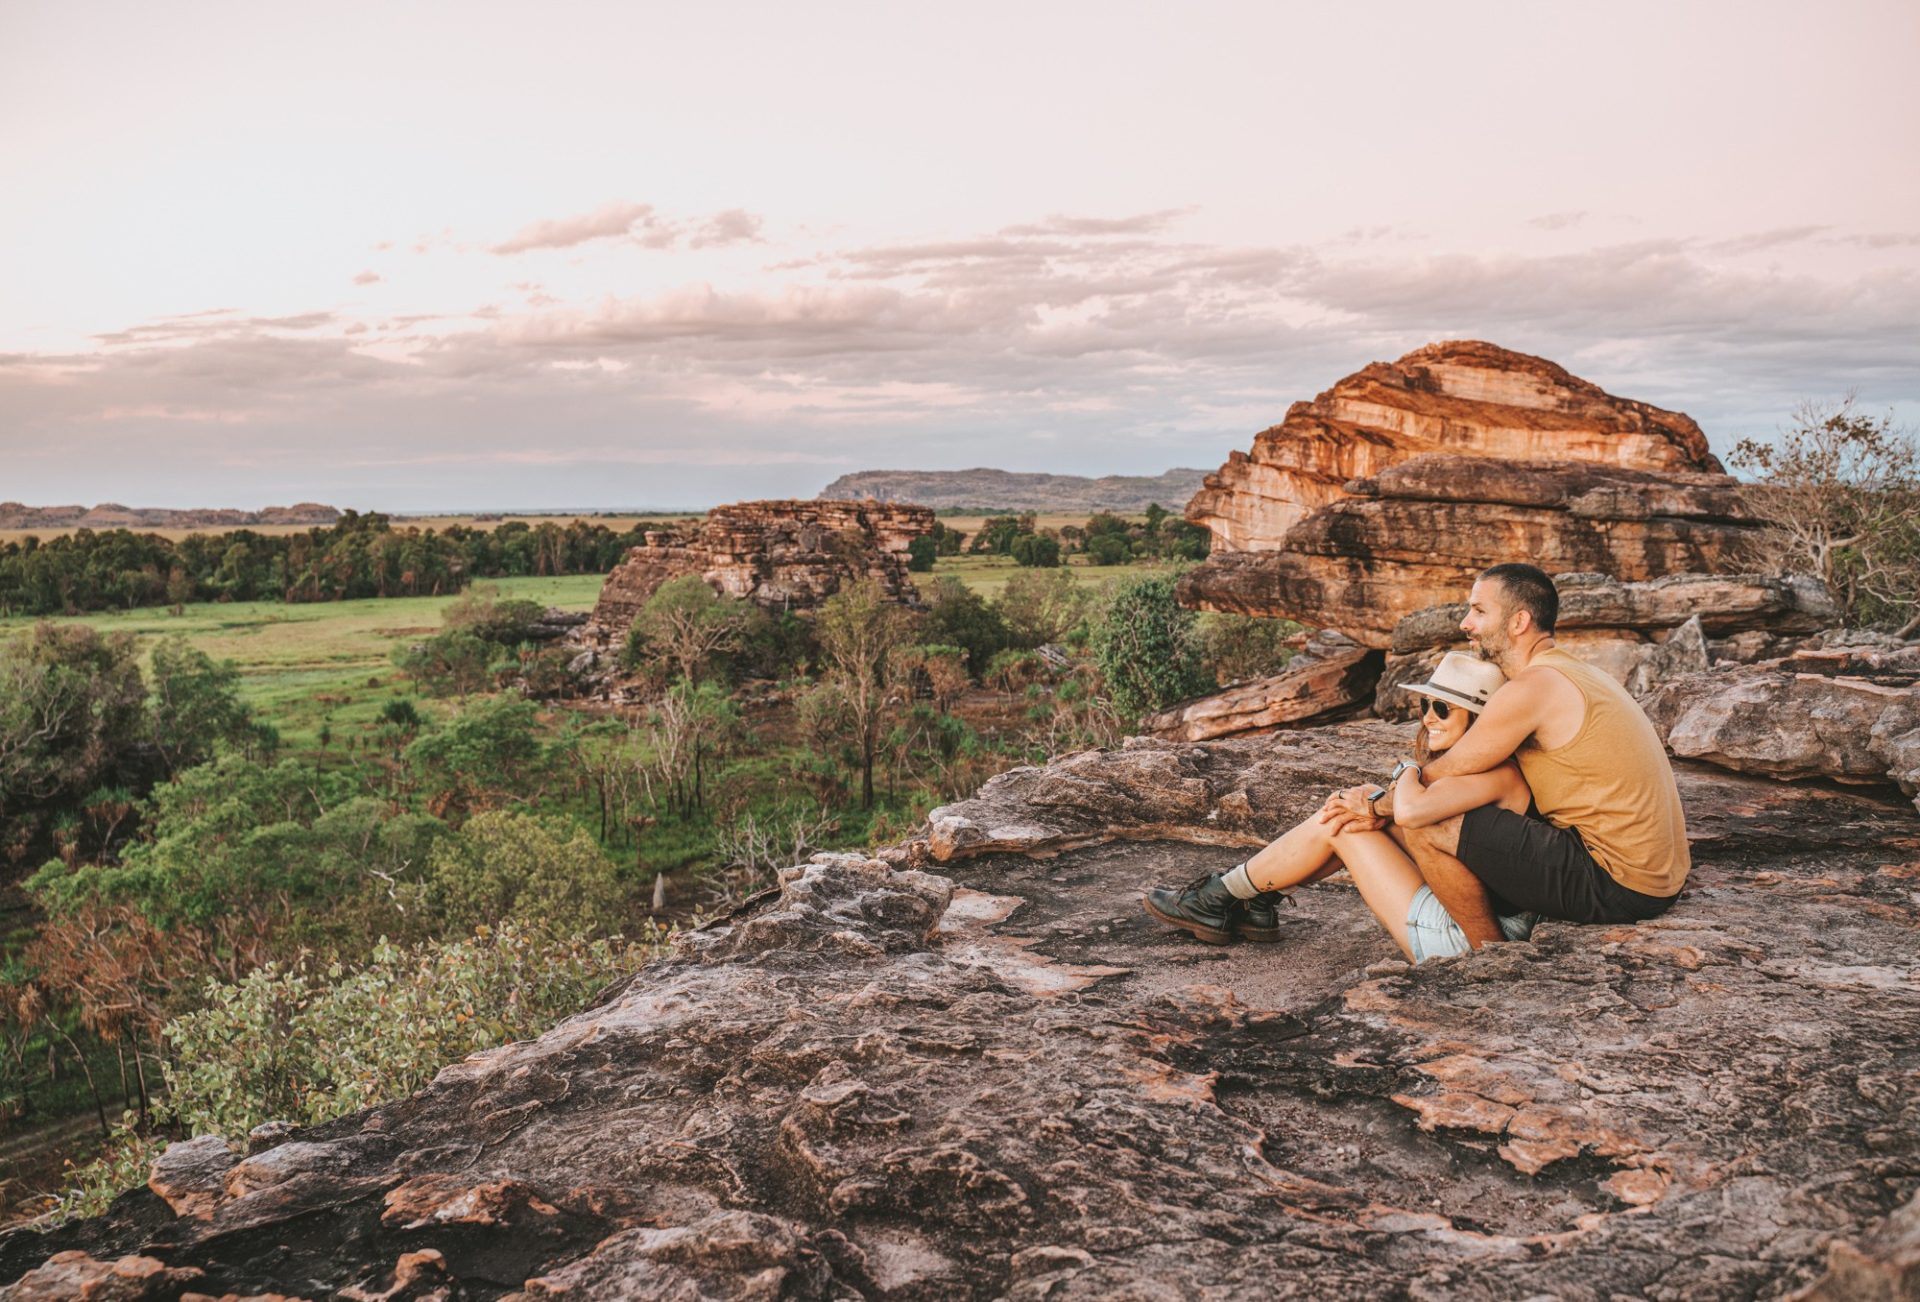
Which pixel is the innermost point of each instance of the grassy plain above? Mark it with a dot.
(318, 663)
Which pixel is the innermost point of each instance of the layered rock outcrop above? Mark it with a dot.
(780, 555)
(1417, 535)
(1644, 634)
(1461, 398)
(1851, 716)
(1002, 1080)
(1331, 674)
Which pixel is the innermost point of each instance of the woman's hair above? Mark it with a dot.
(1422, 751)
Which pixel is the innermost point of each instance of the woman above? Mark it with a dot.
(1345, 833)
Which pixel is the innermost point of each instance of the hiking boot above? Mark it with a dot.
(1259, 918)
(1206, 908)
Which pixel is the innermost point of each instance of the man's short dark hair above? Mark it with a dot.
(1528, 588)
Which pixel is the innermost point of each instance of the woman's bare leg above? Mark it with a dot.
(1386, 877)
(1304, 854)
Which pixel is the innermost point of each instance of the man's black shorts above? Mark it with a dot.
(1534, 866)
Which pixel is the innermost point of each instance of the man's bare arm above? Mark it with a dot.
(1509, 719)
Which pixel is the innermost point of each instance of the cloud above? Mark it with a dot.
(639, 222)
(1146, 223)
(1558, 221)
(367, 278)
(1100, 350)
(734, 226)
(566, 232)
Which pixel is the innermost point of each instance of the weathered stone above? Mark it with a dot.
(1457, 397)
(191, 1176)
(77, 1277)
(1049, 1096)
(1725, 604)
(780, 555)
(1331, 674)
(1363, 563)
(1781, 720)
(1884, 1267)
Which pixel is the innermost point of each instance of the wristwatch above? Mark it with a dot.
(1373, 796)
(1402, 767)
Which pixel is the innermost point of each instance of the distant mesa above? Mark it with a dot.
(780, 555)
(112, 515)
(1005, 490)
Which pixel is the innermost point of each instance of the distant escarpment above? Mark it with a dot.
(1004, 490)
(112, 515)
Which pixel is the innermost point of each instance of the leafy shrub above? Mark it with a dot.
(292, 1043)
(958, 616)
(1038, 608)
(920, 554)
(1036, 550)
(537, 872)
(1236, 648)
(686, 623)
(455, 663)
(1148, 649)
(1014, 670)
(482, 612)
(1109, 549)
(1840, 494)
(195, 703)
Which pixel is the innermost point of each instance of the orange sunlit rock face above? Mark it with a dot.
(1463, 397)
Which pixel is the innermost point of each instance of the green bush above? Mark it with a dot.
(455, 663)
(920, 554)
(1236, 648)
(301, 1045)
(1148, 648)
(958, 616)
(1036, 550)
(1041, 607)
(537, 872)
(1109, 549)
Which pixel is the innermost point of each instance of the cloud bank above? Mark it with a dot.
(1072, 343)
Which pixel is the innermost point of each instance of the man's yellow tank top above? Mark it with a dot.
(1612, 784)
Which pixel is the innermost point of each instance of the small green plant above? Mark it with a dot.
(1148, 648)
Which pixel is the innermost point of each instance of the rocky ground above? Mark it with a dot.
(980, 1072)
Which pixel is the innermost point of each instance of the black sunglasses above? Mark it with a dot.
(1439, 707)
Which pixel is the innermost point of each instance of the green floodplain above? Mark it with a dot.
(305, 665)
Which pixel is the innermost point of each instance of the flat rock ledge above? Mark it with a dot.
(1000, 1080)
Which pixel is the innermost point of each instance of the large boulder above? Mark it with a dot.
(843, 1091)
(1419, 533)
(1847, 716)
(780, 555)
(1460, 397)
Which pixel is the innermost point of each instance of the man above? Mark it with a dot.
(1610, 842)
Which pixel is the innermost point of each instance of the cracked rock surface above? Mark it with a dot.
(979, 1071)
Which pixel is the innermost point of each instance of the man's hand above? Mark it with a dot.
(1347, 811)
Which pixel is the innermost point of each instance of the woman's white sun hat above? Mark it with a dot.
(1462, 679)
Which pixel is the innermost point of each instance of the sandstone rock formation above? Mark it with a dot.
(787, 555)
(1642, 633)
(1417, 535)
(1850, 716)
(1004, 1081)
(1331, 674)
(1002, 490)
(1462, 397)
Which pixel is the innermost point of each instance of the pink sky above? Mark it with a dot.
(468, 255)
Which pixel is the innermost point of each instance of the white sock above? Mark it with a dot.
(1240, 884)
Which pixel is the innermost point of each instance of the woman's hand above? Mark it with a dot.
(1346, 811)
